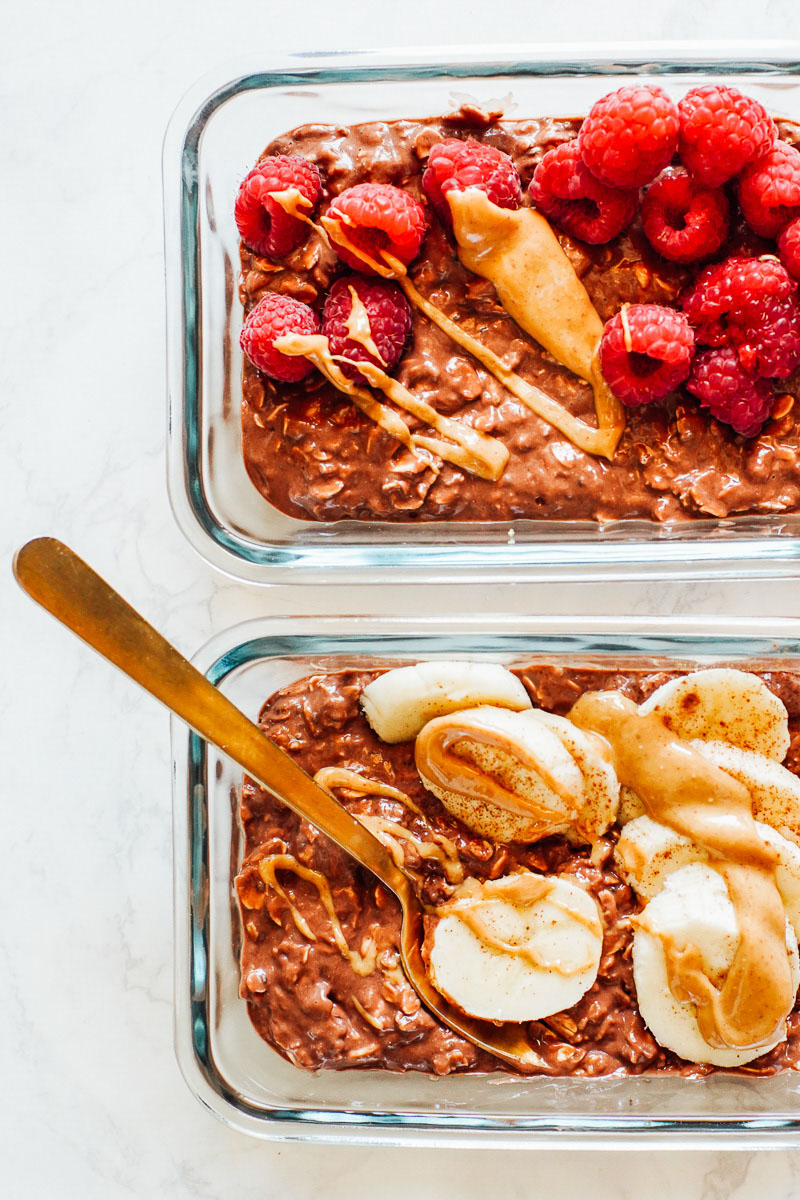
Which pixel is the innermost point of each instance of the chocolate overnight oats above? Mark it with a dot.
(455, 318)
(630, 926)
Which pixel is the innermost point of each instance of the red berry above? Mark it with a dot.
(770, 347)
(273, 316)
(458, 165)
(389, 318)
(566, 191)
(683, 220)
(732, 395)
(735, 290)
(769, 191)
(789, 247)
(722, 130)
(375, 217)
(630, 135)
(264, 226)
(645, 352)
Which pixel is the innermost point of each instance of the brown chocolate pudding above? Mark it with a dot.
(313, 455)
(318, 1010)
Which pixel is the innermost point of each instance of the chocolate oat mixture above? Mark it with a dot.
(303, 996)
(313, 455)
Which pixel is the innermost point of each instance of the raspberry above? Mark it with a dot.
(771, 347)
(683, 220)
(769, 190)
(630, 135)
(389, 322)
(645, 352)
(565, 190)
(789, 247)
(263, 225)
(735, 289)
(722, 131)
(378, 216)
(732, 395)
(273, 316)
(461, 165)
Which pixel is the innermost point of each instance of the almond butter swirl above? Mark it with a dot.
(685, 791)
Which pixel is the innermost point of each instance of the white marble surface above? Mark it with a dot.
(91, 1101)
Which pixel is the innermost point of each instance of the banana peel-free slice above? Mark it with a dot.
(693, 908)
(551, 944)
(400, 702)
(505, 777)
(723, 705)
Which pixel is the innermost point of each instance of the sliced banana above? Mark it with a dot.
(505, 777)
(787, 873)
(775, 791)
(647, 853)
(601, 786)
(398, 703)
(630, 806)
(726, 705)
(516, 949)
(693, 907)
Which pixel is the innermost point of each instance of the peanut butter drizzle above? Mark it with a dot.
(440, 847)
(358, 326)
(520, 891)
(682, 789)
(436, 753)
(466, 447)
(332, 777)
(392, 832)
(292, 201)
(517, 251)
(529, 245)
(362, 964)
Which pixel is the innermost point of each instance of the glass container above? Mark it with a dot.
(217, 133)
(249, 1086)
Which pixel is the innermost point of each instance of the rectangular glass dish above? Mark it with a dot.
(217, 133)
(250, 1087)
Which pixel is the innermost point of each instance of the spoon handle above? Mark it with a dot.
(62, 583)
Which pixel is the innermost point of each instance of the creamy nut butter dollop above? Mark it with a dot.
(744, 1008)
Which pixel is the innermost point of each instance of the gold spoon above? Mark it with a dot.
(63, 584)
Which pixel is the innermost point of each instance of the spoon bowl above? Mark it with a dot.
(71, 591)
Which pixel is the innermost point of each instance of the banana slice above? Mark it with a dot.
(630, 806)
(775, 790)
(724, 705)
(515, 949)
(601, 786)
(693, 907)
(505, 777)
(398, 703)
(787, 873)
(647, 854)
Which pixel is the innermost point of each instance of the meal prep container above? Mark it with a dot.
(250, 1087)
(217, 133)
